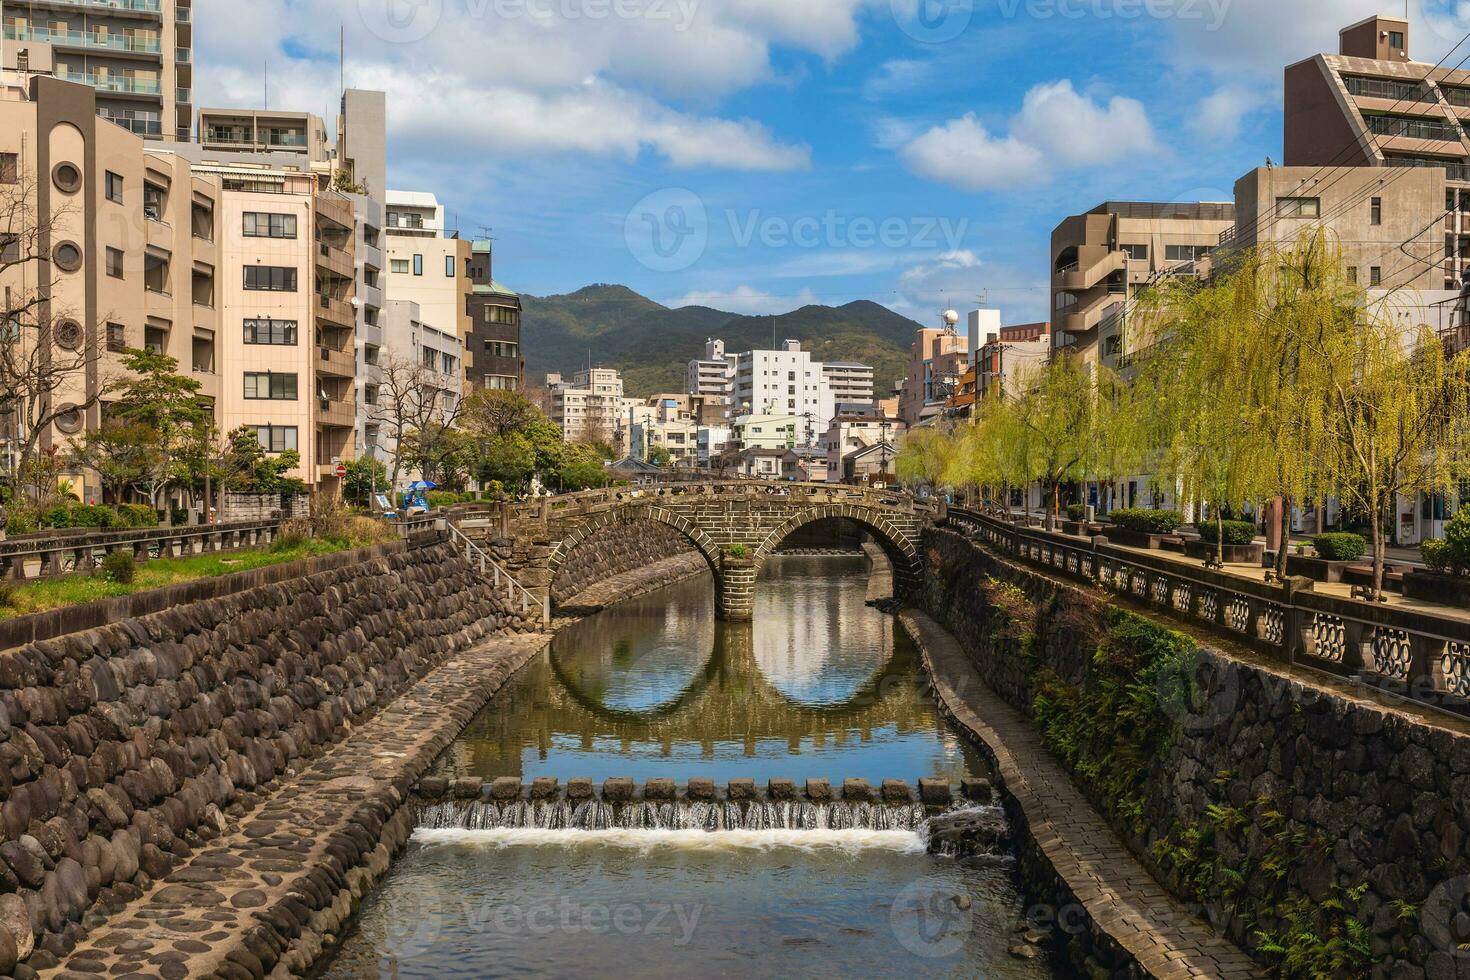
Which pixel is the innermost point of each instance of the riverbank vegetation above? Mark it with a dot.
(1279, 378)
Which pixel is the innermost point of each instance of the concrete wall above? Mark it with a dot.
(125, 744)
(1271, 796)
(263, 506)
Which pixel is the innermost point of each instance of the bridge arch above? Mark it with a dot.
(587, 529)
(900, 547)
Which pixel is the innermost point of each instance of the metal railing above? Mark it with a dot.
(1386, 88)
(1419, 129)
(83, 39)
(75, 552)
(514, 590)
(1407, 653)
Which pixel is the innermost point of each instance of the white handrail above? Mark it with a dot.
(488, 566)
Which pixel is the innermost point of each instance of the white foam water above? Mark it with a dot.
(646, 841)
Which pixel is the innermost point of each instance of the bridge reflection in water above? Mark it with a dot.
(817, 686)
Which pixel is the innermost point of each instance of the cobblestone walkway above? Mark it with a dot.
(1117, 891)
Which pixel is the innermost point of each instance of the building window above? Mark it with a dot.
(266, 385)
(9, 168)
(1375, 275)
(398, 266)
(1376, 211)
(276, 333)
(418, 265)
(1299, 207)
(114, 187)
(9, 249)
(115, 263)
(259, 225)
(1353, 274)
(276, 438)
(1186, 253)
(117, 337)
(1138, 253)
(270, 278)
(449, 266)
(1396, 40)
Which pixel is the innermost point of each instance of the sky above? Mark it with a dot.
(760, 155)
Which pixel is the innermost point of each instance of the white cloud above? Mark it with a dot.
(1056, 129)
(956, 279)
(1221, 113)
(747, 300)
(897, 77)
(513, 76)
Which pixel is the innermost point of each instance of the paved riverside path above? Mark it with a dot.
(1119, 894)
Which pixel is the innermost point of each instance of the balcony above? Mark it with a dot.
(336, 310)
(336, 362)
(1453, 169)
(1074, 278)
(184, 56)
(184, 96)
(336, 413)
(119, 84)
(118, 6)
(1387, 88)
(86, 40)
(1413, 128)
(183, 15)
(335, 260)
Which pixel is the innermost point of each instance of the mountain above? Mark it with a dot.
(652, 345)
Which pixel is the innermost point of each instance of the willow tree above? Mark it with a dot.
(922, 459)
(1398, 406)
(1052, 426)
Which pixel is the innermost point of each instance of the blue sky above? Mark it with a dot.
(756, 155)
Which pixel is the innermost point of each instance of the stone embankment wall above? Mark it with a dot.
(615, 551)
(124, 747)
(1310, 824)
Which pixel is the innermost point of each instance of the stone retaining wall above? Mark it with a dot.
(1282, 804)
(614, 551)
(126, 745)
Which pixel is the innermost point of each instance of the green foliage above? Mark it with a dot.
(660, 456)
(1076, 512)
(364, 476)
(250, 469)
(1147, 521)
(80, 515)
(21, 520)
(737, 551)
(136, 516)
(582, 468)
(119, 567)
(508, 459)
(1340, 546)
(1451, 556)
(1236, 532)
(447, 498)
(1320, 940)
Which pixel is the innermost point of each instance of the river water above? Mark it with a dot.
(820, 686)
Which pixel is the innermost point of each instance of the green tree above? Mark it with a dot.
(248, 468)
(1050, 428)
(122, 455)
(582, 468)
(365, 476)
(156, 395)
(491, 416)
(509, 459)
(660, 456)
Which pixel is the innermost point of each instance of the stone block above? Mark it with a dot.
(659, 790)
(857, 790)
(579, 788)
(702, 790)
(935, 792)
(433, 787)
(819, 791)
(976, 790)
(544, 788)
(897, 791)
(617, 789)
(782, 789)
(741, 790)
(467, 788)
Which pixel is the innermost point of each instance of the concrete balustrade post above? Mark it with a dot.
(1357, 646)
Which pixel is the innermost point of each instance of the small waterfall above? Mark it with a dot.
(682, 815)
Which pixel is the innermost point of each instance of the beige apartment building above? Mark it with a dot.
(129, 248)
(1103, 259)
(589, 408)
(428, 264)
(938, 361)
(136, 54)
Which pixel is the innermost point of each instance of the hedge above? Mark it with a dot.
(1452, 555)
(1075, 512)
(1340, 546)
(1236, 532)
(1147, 521)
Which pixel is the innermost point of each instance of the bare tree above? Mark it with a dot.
(417, 411)
(49, 355)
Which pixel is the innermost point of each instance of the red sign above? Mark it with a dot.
(341, 469)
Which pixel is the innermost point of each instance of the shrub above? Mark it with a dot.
(8, 592)
(87, 515)
(1148, 521)
(328, 518)
(21, 521)
(1236, 532)
(737, 551)
(1075, 512)
(447, 498)
(137, 515)
(119, 567)
(1452, 555)
(1340, 546)
(54, 517)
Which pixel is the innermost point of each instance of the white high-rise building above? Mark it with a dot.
(714, 375)
(785, 382)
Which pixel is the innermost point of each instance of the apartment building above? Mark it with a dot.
(938, 361)
(849, 434)
(665, 422)
(130, 251)
(768, 432)
(429, 265)
(1103, 259)
(495, 326)
(589, 408)
(1005, 358)
(299, 134)
(785, 382)
(136, 54)
(360, 163)
(851, 385)
(714, 374)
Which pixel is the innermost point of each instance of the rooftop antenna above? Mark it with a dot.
(266, 67)
(984, 298)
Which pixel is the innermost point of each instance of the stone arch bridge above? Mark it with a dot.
(736, 526)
